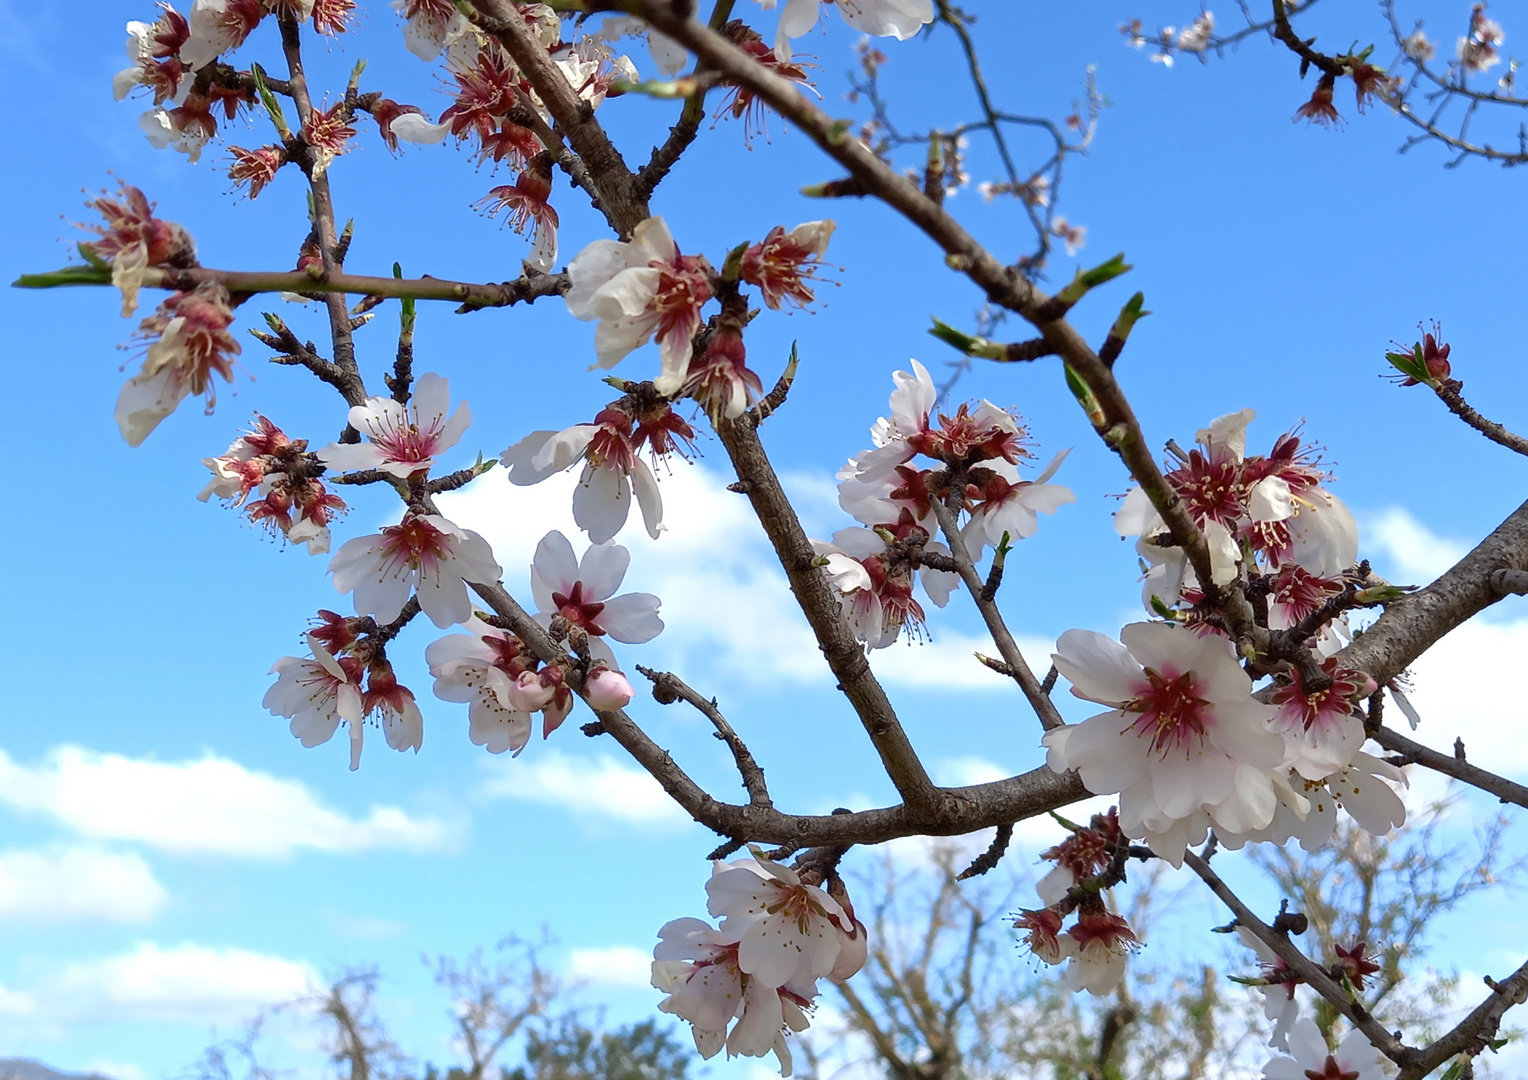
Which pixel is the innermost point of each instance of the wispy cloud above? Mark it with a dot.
(187, 982)
(77, 884)
(210, 805)
(1416, 555)
(1472, 684)
(618, 965)
(597, 787)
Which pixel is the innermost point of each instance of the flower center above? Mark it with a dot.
(414, 543)
(1171, 713)
(577, 611)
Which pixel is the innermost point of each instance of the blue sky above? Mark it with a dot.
(171, 857)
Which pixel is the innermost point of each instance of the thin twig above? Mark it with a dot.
(1044, 708)
(675, 687)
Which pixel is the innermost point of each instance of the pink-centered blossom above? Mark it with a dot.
(1310, 1058)
(613, 475)
(1321, 731)
(783, 263)
(1280, 1006)
(786, 930)
(1010, 504)
(699, 970)
(872, 572)
(582, 592)
(637, 290)
(217, 27)
(394, 706)
(132, 239)
(431, 26)
(191, 343)
(479, 669)
(401, 440)
(526, 201)
(153, 52)
(319, 694)
(423, 555)
(1184, 744)
(1102, 941)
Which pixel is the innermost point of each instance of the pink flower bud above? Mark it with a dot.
(606, 690)
(528, 693)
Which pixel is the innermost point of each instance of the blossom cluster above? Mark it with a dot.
(1098, 942)
(976, 454)
(636, 291)
(293, 499)
(751, 981)
(424, 563)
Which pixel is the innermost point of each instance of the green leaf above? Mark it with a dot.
(69, 275)
(1091, 279)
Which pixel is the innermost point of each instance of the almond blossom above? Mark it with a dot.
(778, 936)
(526, 201)
(1272, 506)
(1101, 941)
(192, 343)
(1280, 1006)
(318, 694)
(219, 26)
(613, 472)
(1011, 504)
(639, 289)
(900, 19)
(1202, 752)
(872, 569)
(394, 706)
(782, 263)
(699, 971)
(401, 440)
(478, 668)
(431, 25)
(786, 930)
(582, 592)
(1311, 1059)
(423, 555)
(132, 239)
(153, 50)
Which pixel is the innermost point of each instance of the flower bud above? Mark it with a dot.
(606, 690)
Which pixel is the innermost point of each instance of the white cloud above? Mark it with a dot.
(78, 884)
(618, 965)
(968, 771)
(210, 805)
(1473, 684)
(192, 983)
(588, 787)
(1417, 555)
(16, 1003)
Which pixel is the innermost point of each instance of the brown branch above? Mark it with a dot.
(988, 859)
(323, 201)
(614, 189)
(1414, 623)
(1413, 752)
(1471, 1033)
(669, 687)
(1448, 393)
(814, 594)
